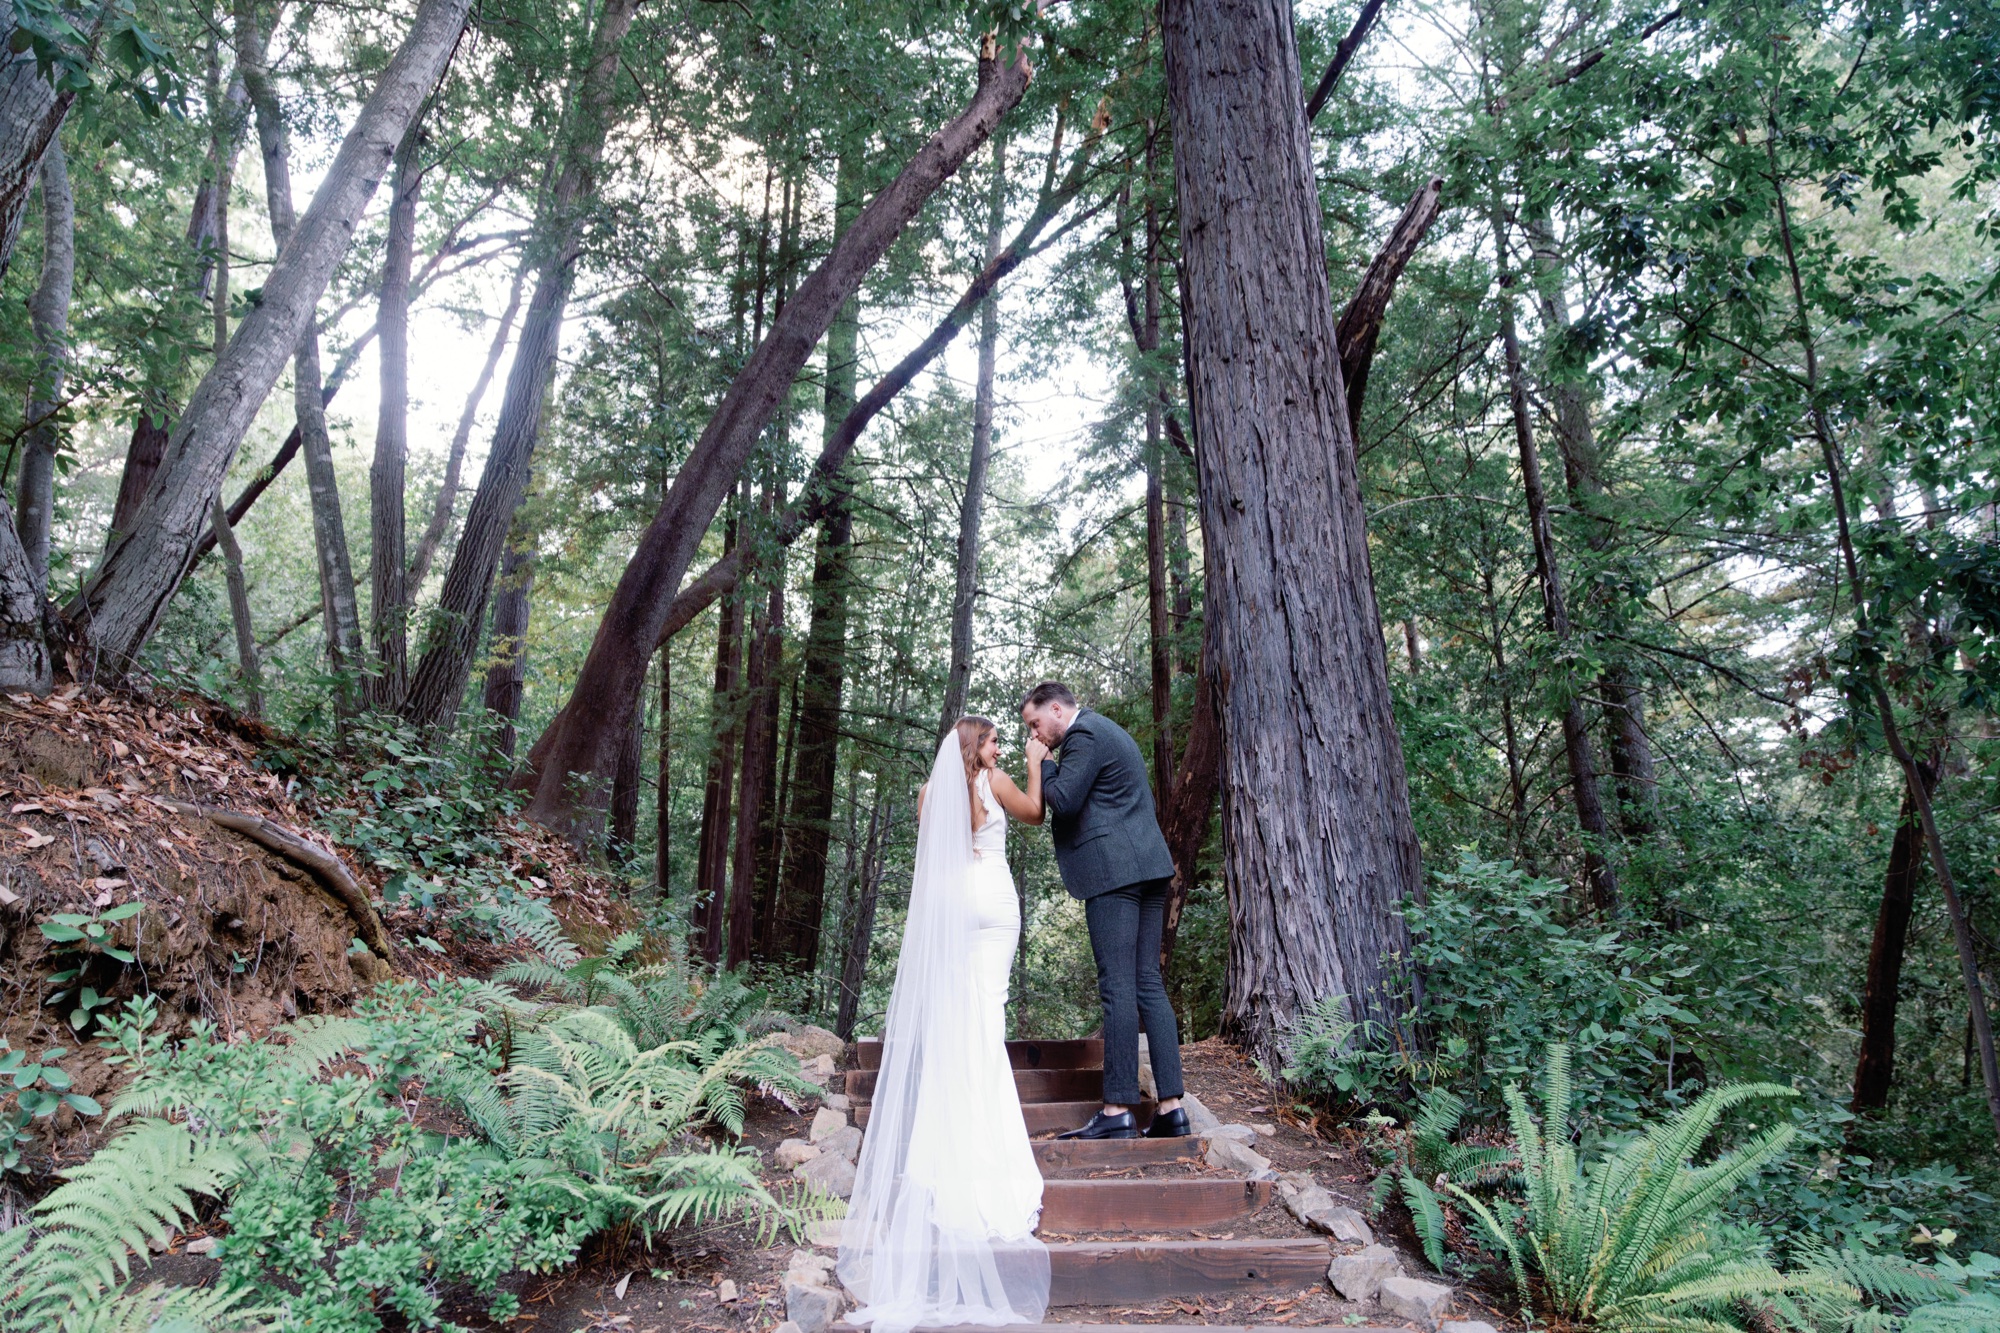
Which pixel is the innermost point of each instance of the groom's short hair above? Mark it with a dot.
(1049, 692)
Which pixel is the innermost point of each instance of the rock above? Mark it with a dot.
(810, 1042)
(725, 1291)
(805, 1263)
(825, 1122)
(1148, 1089)
(1344, 1223)
(830, 1172)
(787, 1327)
(1359, 1276)
(1266, 1130)
(201, 1245)
(1201, 1120)
(1240, 1133)
(795, 1152)
(1231, 1155)
(846, 1141)
(819, 1069)
(811, 1305)
(837, 1101)
(1310, 1202)
(1468, 1326)
(826, 1232)
(1414, 1299)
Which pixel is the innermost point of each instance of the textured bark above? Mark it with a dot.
(712, 856)
(447, 496)
(760, 745)
(452, 636)
(25, 662)
(1321, 849)
(1361, 323)
(1589, 801)
(861, 922)
(1875, 1069)
(506, 678)
(341, 615)
(1190, 802)
(48, 316)
(575, 766)
(239, 608)
(801, 902)
(121, 604)
(625, 790)
(388, 570)
(972, 505)
(31, 115)
(663, 808)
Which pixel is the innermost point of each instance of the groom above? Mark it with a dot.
(1112, 856)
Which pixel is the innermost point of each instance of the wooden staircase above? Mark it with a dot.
(1125, 1217)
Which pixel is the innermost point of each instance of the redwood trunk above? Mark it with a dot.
(1321, 850)
(861, 922)
(712, 863)
(625, 793)
(48, 317)
(663, 808)
(388, 569)
(1874, 1071)
(584, 748)
(507, 678)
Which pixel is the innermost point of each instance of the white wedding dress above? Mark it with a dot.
(941, 1225)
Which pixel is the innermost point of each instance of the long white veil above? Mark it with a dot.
(937, 1231)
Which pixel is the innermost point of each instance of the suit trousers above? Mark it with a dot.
(1125, 925)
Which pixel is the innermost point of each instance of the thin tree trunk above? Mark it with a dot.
(447, 496)
(861, 923)
(663, 823)
(1361, 322)
(1589, 800)
(801, 905)
(1321, 850)
(122, 602)
(712, 865)
(48, 317)
(438, 683)
(1190, 804)
(239, 608)
(388, 571)
(1874, 1070)
(31, 115)
(342, 615)
(958, 675)
(572, 773)
(507, 678)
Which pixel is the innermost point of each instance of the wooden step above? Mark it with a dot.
(1070, 1206)
(844, 1327)
(1050, 1117)
(1144, 1271)
(1080, 1053)
(1034, 1085)
(1078, 1154)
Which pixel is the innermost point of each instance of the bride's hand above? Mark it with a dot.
(1036, 753)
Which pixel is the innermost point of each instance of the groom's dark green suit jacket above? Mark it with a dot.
(1101, 810)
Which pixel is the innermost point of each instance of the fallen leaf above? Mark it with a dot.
(623, 1282)
(26, 807)
(8, 897)
(105, 882)
(34, 839)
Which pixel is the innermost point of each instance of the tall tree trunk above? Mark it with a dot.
(388, 570)
(1190, 801)
(341, 615)
(712, 863)
(574, 768)
(452, 638)
(122, 602)
(663, 809)
(507, 677)
(25, 661)
(207, 256)
(1321, 849)
(1555, 614)
(447, 496)
(861, 921)
(625, 793)
(958, 675)
(801, 902)
(239, 608)
(1875, 1069)
(48, 316)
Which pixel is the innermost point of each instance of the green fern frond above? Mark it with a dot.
(1427, 1216)
(317, 1041)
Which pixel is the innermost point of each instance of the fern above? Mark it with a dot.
(66, 1274)
(1427, 1216)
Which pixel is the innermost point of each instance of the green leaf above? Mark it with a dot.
(61, 934)
(122, 911)
(82, 1105)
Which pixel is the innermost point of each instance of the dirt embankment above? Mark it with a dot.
(144, 850)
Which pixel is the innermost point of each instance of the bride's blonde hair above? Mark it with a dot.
(972, 733)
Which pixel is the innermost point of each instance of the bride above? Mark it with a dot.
(941, 1225)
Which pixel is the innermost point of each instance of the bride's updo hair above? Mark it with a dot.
(972, 733)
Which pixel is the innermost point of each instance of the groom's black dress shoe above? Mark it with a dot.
(1169, 1124)
(1102, 1126)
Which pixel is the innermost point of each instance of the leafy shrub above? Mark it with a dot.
(1429, 1157)
(32, 1090)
